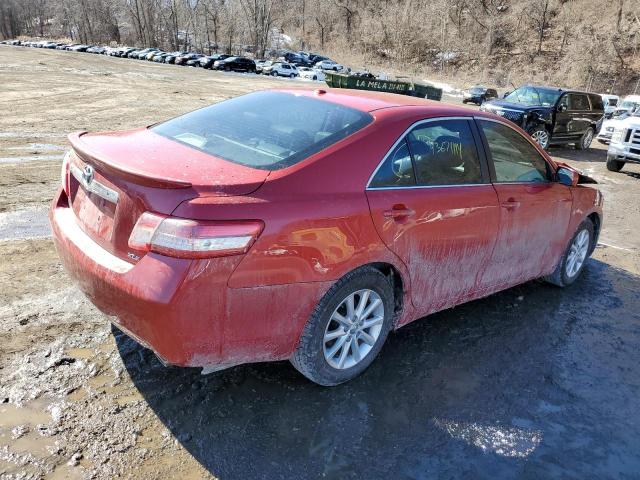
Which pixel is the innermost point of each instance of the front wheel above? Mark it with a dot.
(540, 135)
(585, 140)
(614, 165)
(574, 257)
(274, 74)
(347, 328)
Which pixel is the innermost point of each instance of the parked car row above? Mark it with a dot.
(301, 64)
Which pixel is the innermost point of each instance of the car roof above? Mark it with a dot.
(557, 89)
(369, 101)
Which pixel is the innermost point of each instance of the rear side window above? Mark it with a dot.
(265, 130)
(397, 169)
(578, 101)
(514, 158)
(444, 153)
(596, 102)
(439, 153)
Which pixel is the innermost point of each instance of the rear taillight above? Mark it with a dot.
(64, 173)
(183, 238)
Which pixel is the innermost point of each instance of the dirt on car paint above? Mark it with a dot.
(533, 382)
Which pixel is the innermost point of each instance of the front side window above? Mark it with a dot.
(514, 158)
(438, 153)
(265, 130)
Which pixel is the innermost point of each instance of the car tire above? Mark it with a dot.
(585, 140)
(574, 257)
(274, 74)
(315, 77)
(227, 69)
(614, 165)
(293, 75)
(333, 361)
(540, 135)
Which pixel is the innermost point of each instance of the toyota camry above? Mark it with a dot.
(307, 224)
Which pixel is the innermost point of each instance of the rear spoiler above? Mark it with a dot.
(84, 152)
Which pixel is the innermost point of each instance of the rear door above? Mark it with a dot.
(579, 114)
(534, 209)
(433, 205)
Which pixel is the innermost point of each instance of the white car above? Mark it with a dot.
(328, 65)
(610, 102)
(609, 126)
(308, 73)
(630, 103)
(625, 143)
(281, 69)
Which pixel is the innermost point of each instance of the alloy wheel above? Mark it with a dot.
(577, 253)
(541, 137)
(353, 329)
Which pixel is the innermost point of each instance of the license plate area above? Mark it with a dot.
(95, 213)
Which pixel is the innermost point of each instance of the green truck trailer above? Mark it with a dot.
(341, 80)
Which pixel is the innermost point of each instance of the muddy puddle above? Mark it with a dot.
(25, 223)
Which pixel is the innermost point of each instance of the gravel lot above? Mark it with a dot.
(534, 382)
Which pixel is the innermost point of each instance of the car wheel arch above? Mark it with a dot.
(594, 217)
(399, 283)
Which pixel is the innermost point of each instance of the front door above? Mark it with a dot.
(434, 207)
(534, 209)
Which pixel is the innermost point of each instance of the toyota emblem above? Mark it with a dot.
(87, 174)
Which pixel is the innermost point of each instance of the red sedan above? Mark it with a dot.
(305, 225)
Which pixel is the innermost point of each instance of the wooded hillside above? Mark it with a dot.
(588, 44)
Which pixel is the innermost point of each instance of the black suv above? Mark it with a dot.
(479, 95)
(237, 64)
(552, 115)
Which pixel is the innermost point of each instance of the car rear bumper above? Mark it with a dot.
(175, 307)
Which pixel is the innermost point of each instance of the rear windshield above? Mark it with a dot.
(265, 130)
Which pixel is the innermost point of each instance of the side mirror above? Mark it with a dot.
(505, 94)
(567, 177)
(562, 108)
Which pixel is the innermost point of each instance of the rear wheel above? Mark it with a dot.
(614, 165)
(540, 135)
(585, 140)
(574, 257)
(347, 328)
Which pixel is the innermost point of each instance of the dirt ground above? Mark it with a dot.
(534, 382)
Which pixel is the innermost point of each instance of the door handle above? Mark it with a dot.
(398, 212)
(510, 204)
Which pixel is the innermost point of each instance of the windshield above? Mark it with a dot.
(533, 96)
(265, 130)
(476, 90)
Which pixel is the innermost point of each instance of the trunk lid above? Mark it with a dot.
(115, 177)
